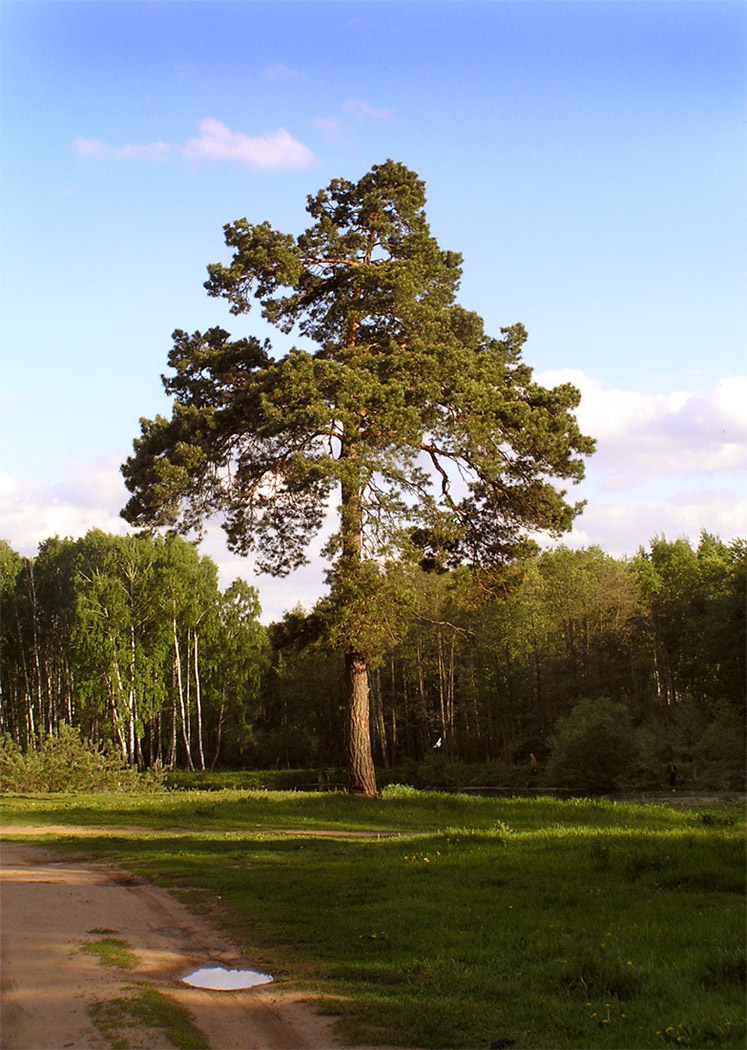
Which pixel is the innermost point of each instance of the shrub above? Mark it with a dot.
(399, 791)
(719, 753)
(66, 761)
(593, 748)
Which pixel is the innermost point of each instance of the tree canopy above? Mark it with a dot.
(428, 437)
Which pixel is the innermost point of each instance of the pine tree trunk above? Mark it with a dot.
(360, 767)
(361, 773)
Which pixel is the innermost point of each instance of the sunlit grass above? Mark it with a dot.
(543, 923)
(112, 951)
(254, 811)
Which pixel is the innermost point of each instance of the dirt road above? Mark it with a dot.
(51, 907)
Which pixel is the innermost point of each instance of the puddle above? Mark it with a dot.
(219, 979)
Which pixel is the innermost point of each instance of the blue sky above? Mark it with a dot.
(587, 159)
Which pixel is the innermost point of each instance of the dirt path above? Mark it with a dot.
(50, 907)
(81, 831)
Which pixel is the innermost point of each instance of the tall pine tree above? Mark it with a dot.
(422, 432)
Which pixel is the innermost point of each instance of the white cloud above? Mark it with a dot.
(218, 142)
(620, 528)
(89, 498)
(277, 150)
(642, 436)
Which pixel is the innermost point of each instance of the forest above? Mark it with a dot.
(613, 673)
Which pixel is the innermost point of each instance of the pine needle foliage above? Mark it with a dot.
(427, 435)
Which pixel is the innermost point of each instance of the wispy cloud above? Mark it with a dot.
(333, 128)
(360, 109)
(279, 71)
(216, 142)
(150, 151)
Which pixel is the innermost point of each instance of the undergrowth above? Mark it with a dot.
(66, 761)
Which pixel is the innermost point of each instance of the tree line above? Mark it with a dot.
(494, 669)
(131, 640)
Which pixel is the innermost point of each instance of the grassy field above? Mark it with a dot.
(513, 922)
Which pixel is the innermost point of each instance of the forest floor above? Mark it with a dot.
(52, 989)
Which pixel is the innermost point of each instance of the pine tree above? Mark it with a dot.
(426, 435)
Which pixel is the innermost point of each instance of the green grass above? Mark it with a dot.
(543, 923)
(142, 1006)
(395, 810)
(112, 951)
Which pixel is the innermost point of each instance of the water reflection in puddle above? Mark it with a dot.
(217, 978)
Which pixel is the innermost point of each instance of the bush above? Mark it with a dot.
(399, 791)
(593, 748)
(719, 754)
(67, 761)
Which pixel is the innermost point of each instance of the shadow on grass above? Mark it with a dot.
(554, 925)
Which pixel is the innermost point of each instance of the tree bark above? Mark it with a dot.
(360, 766)
(180, 694)
(131, 700)
(379, 723)
(361, 773)
(198, 704)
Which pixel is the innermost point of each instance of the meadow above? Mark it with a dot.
(453, 921)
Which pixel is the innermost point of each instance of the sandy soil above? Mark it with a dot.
(50, 907)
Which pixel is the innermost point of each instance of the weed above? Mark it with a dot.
(112, 951)
(718, 820)
(601, 972)
(142, 1005)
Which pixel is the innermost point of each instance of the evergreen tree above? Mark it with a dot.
(404, 416)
